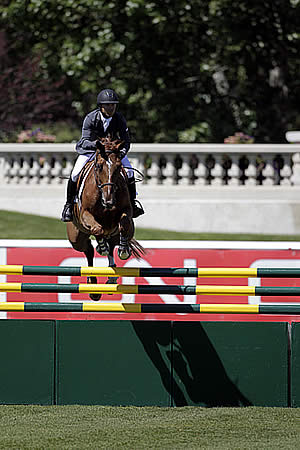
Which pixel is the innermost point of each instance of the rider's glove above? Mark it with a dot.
(122, 153)
(99, 144)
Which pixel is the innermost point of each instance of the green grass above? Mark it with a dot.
(81, 427)
(15, 225)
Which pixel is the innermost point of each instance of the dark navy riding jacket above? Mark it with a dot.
(92, 130)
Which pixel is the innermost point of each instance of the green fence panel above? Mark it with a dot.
(113, 363)
(230, 363)
(295, 363)
(27, 362)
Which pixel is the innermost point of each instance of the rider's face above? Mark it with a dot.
(108, 109)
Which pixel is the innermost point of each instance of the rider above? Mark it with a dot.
(97, 124)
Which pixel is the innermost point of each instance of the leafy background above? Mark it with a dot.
(185, 71)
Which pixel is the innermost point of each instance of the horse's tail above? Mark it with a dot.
(137, 249)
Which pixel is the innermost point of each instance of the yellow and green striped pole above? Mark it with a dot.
(150, 308)
(221, 272)
(150, 289)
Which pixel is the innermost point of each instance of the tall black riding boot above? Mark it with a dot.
(67, 214)
(136, 205)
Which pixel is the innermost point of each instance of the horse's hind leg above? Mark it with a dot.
(82, 243)
(126, 228)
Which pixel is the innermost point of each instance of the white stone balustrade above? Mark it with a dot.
(163, 164)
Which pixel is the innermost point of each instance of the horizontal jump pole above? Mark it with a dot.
(149, 289)
(221, 272)
(150, 308)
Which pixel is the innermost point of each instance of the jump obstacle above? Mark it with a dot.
(150, 289)
(221, 272)
(150, 308)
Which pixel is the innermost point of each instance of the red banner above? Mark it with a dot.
(181, 254)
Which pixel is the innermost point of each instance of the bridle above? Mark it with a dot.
(97, 167)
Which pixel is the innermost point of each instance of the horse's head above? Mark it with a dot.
(107, 170)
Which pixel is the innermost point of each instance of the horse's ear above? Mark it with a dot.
(101, 149)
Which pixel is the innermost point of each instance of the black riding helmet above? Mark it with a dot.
(107, 96)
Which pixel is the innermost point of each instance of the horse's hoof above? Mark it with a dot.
(95, 297)
(124, 253)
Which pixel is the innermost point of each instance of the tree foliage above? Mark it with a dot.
(185, 71)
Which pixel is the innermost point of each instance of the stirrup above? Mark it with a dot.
(137, 209)
(67, 214)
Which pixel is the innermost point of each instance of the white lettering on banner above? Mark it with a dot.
(190, 263)
(130, 298)
(3, 295)
(272, 264)
(80, 261)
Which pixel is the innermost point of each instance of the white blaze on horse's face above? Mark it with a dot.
(109, 175)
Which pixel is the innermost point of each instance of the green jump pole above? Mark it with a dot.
(150, 308)
(150, 289)
(221, 272)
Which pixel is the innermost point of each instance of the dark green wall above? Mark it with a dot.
(106, 363)
(27, 362)
(295, 364)
(149, 363)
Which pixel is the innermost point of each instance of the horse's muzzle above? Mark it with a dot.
(108, 204)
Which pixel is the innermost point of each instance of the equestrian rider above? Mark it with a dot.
(99, 123)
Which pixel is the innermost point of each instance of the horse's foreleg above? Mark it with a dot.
(82, 243)
(126, 229)
(91, 224)
(89, 253)
(111, 261)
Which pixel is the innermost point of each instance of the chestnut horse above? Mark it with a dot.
(103, 209)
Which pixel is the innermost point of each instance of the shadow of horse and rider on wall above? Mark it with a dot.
(190, 368)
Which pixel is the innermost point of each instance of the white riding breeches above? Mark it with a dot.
(83, 159)
(79, 164)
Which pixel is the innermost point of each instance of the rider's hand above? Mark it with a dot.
(99, 144)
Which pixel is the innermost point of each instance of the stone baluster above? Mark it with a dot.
(286, 171)
(185, 171)
(2, 167)
(46, 169)
(217, 171)
(140, 166)
(295, 178)
(201, 171)
(24, 169)
(67, 166)
(6, 169)
(34, 170)
(154, 171)
(268, 171)
(251, 171)
(15, 168)
(56, 170)
(169, 172)
(234, 171)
